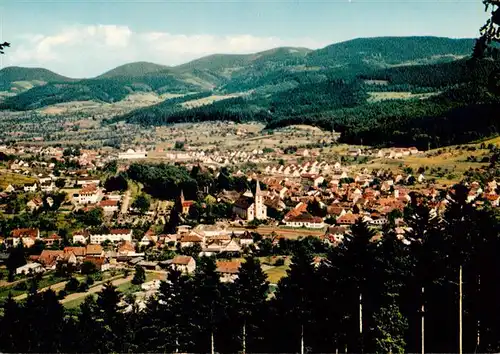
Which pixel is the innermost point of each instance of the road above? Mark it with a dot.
(56, 287)
(95, 289)
(126, 202)
(287, 233)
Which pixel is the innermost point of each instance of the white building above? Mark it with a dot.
(305, 220)
(132, 154)
(30, 187)
(114, 235)
(89, 195)
(30, 268)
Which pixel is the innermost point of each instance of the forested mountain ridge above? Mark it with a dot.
(347, 87)
(460, 110)
(134, 70)
(12, 75)
(386, 51)
(266, 72)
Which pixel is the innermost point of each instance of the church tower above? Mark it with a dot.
(260, 208)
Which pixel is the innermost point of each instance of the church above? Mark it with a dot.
(250, 207)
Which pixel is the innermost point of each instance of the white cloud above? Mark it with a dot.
(84, 51)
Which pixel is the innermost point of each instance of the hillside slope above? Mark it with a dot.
(136, 69)
(265, 73)
(387, 51)
(12, 77)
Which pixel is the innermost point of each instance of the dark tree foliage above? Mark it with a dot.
(139, 276)
(116, 183)
(164, 181)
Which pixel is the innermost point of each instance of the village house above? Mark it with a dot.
(30, 268)
(93, 250)
(108, 205)
(50, 258)
(26, 236)
(348, 219)
(79, 252)
(126, 248)
(132, 154)
(228, 270)
(183, 264)
(190, 239)
(48, 187)
(81, 237)
(246, 239)
(101, 263)
(89, 194)
(149, 238)
(52, 240)
(335, 235)
(35, 204)
(30, 187)
(89, 180)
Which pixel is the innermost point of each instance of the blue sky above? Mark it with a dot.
(85, 38)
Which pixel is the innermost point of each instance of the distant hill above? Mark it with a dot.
(136, 69)
(387, 51)
(17, 77)
(228, 63)
(262, 74)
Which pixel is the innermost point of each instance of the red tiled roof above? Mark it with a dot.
(26, 232)
(191, 238)
(48, 257)
(93, 249)
(181, 260)
(108, 202)
(78, 251)
(231, 267)
(119, 231)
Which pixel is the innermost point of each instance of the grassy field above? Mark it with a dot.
(274, 274)
(7, 177)
(125, 288)
(76, 302)
(446, 165)
(46, 281)
(382, 96)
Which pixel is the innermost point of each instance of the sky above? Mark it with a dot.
(86, 38)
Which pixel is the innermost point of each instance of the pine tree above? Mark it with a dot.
(164, 319)
(139, 276)
(11, 333)
(90, 328)
(16, 259)
(359, 262)
(390, 326)
(109, 312)
(208, 304)
(250, 294)
(294, 301)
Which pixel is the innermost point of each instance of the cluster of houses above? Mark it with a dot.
(89, 247)
(218, 158)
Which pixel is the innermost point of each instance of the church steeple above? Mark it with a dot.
(182, 196)
(257, 189)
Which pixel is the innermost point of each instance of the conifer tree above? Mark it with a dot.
(294, 301)
(208, 306)
(250, 293)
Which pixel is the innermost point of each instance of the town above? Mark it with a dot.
(84, 216)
